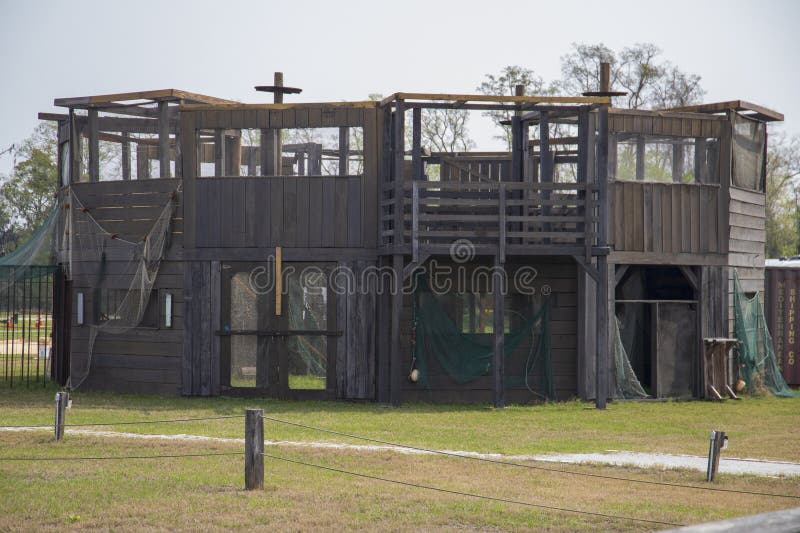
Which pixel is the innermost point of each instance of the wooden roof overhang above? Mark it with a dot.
(486, 102)
(751, 110)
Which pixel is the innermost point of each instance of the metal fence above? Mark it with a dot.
(26, 325)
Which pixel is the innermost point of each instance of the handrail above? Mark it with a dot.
(538, 218)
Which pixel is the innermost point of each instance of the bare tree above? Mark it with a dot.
(505, 83)
(637, 70)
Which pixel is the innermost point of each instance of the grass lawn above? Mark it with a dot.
(205, 493)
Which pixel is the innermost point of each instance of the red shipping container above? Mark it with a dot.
(782, 309)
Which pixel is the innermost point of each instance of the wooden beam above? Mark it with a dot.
(690, 277)
(94, 147)
(163, 139)
(765, 114)
(603, 302)
(279, 107)
(394, 347)
(497, 98)
(677, 163)
(344, 151)
(498, 359)
(641, 154)
(416, 144)
(620, 273)
(158, 94)
(219, 153)
(126, 156)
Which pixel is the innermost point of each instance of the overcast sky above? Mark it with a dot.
(345, 50)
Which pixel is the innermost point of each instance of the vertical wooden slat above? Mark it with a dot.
(163, 139)
(94, 146)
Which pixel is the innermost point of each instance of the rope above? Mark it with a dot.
(531, 467)
(115, 457)
(471, 494)
(128, 423)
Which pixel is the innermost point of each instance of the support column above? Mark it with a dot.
(344, 151)
(640, 157)
(416, 144)
(394, 349)
(94, 146)
(271, 145)
(163, 139)
(498, 360)
(603, 304)
(126, 155)
(219, 152)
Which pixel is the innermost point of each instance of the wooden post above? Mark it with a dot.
(163, 139)
(499, 334)
(396, 373)
(254, 449)
(605, 77)
(94, 146)
(233, 152)
(219, 152)
(61, 414)
(416, 143)
(142, 161)
(700, 167)
(414, 221)
(278, 280)
(251, 160)
(344, 151)
(126, 155)
(603, 304)
(641, 153)
(714, 450)
(399, 173)
(677, 162)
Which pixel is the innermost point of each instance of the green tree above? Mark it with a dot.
(783, 212)
(28, 194)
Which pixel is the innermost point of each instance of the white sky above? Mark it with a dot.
(345, 49)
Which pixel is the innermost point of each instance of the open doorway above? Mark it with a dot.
(656, 309)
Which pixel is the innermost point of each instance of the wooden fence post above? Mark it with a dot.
(714, 450)
(254, 449)
(61, 412)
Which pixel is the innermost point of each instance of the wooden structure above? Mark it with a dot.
(589, 209)
(717, 353)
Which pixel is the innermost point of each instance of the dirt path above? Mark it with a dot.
(729, 465)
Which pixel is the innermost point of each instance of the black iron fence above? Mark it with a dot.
(27, 324)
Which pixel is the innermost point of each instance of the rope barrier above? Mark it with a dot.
(531, 467)
(128, 423)
(473, 495)
(116, 457)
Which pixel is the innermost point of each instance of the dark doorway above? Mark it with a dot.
(656, 308)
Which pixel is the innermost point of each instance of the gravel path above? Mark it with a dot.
(617, 458)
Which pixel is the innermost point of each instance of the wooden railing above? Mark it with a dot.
(493, 217)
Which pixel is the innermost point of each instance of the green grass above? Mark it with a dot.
(762, 428)
(206, 493)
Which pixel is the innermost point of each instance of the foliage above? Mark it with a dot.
(27, 195)
(637, 70)
(783, 214)
(505, 83)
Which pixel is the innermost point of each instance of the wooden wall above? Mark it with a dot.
(328, 197)
(143, 359)
(667, 218)
(665, 123)
(356, 356)
(289, 211)
(560, 275)
(748, 239)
